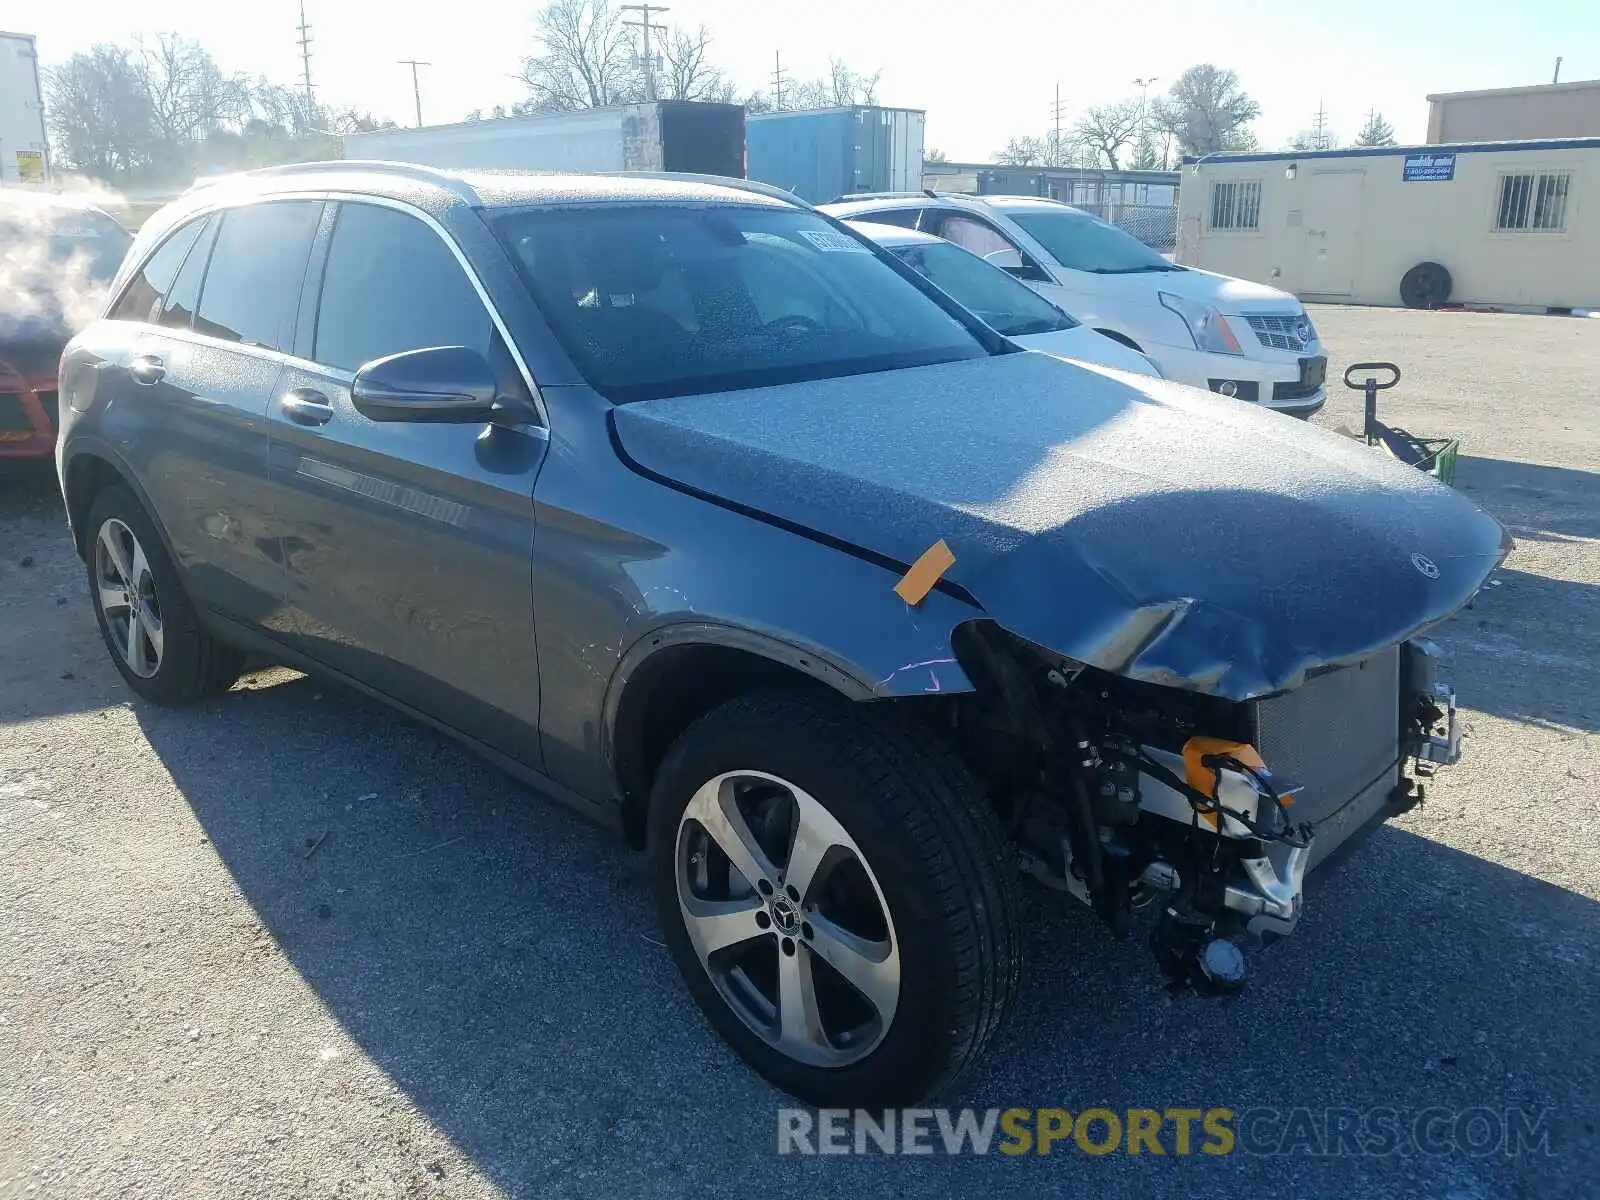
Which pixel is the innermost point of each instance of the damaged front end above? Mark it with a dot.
(1125, 794)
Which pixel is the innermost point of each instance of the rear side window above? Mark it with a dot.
(143, 297)
(178, 311)
(977, 236)
(252, 286)
(391, 284)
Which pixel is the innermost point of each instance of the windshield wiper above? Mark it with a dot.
(1139, 270)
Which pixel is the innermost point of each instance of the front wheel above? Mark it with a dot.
(834, 891)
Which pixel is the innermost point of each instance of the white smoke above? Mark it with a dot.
(58, 252)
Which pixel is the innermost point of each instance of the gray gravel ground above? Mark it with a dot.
(287, 945)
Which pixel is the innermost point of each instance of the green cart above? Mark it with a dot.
(1435, 456)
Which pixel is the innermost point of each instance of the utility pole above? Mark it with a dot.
(1142, 143)
(1556, 78)
(416, 88)
(777, 80)
(1319, 129)
(645, 28)
(1056, 110)
(305, 63)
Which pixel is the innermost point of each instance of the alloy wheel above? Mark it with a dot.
(787, 918)
(126, 594)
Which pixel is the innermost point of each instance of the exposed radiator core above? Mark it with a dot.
(1338, 734)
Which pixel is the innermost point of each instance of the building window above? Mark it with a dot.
(1533, 201)
(1236, 204)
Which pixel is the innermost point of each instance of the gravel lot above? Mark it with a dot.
(288, 945)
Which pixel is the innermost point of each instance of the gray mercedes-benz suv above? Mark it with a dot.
(684, 503)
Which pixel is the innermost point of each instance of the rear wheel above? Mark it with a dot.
(834, 891)
(145, 616)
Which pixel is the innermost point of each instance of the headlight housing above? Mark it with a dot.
(1205, 324)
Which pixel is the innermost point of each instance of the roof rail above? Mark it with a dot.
(414, 171)
(729, 181)
(919, 193)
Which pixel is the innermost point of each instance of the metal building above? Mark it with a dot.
(823, 153)
(1502, 224)
(1548, 110)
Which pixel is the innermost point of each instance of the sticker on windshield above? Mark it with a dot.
(827, 239)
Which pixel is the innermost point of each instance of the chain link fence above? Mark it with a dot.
(1156, 225)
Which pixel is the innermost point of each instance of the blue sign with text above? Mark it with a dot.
(1429, 168)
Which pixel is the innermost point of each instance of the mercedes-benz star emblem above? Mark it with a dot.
(1426, 565)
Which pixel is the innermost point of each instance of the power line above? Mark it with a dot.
(416, 88)
(645, 28)
(305, 58)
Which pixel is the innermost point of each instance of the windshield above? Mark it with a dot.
(664, 300)
(1004, 303)
(1086, 243)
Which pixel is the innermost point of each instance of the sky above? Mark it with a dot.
(983, 72)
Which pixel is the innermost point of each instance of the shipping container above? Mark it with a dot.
(24, 154)
(666, 135)
(1499, 224)
(825, 153)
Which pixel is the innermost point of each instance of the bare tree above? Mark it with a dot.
(98, 112)
(687, 72)
(935, 155)
(1106, 129)
(584, 59)
(189, 95)
(841, 87)
(1206, 111)
(281, 111)
(1023, 152)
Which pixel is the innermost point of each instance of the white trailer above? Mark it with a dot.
(666, 135)
(24, 153)
(1496, 224)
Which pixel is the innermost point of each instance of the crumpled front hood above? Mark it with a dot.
(1146, 528)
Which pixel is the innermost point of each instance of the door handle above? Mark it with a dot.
(306, 406)
(147, 370)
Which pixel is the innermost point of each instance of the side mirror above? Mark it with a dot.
(1008, 258)
(441, 383)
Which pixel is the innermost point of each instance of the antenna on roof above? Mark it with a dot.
(1556, 78)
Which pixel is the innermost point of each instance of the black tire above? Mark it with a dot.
(193, 664)
(1426, 285)
(921, 823)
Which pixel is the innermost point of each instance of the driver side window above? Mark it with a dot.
(983, 239)
(391, 284)
(974, 235)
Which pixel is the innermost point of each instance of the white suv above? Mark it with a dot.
(1237, 338)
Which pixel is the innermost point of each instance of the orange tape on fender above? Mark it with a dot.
(916, 583)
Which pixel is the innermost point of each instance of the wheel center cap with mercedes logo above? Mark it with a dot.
(785, 917)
